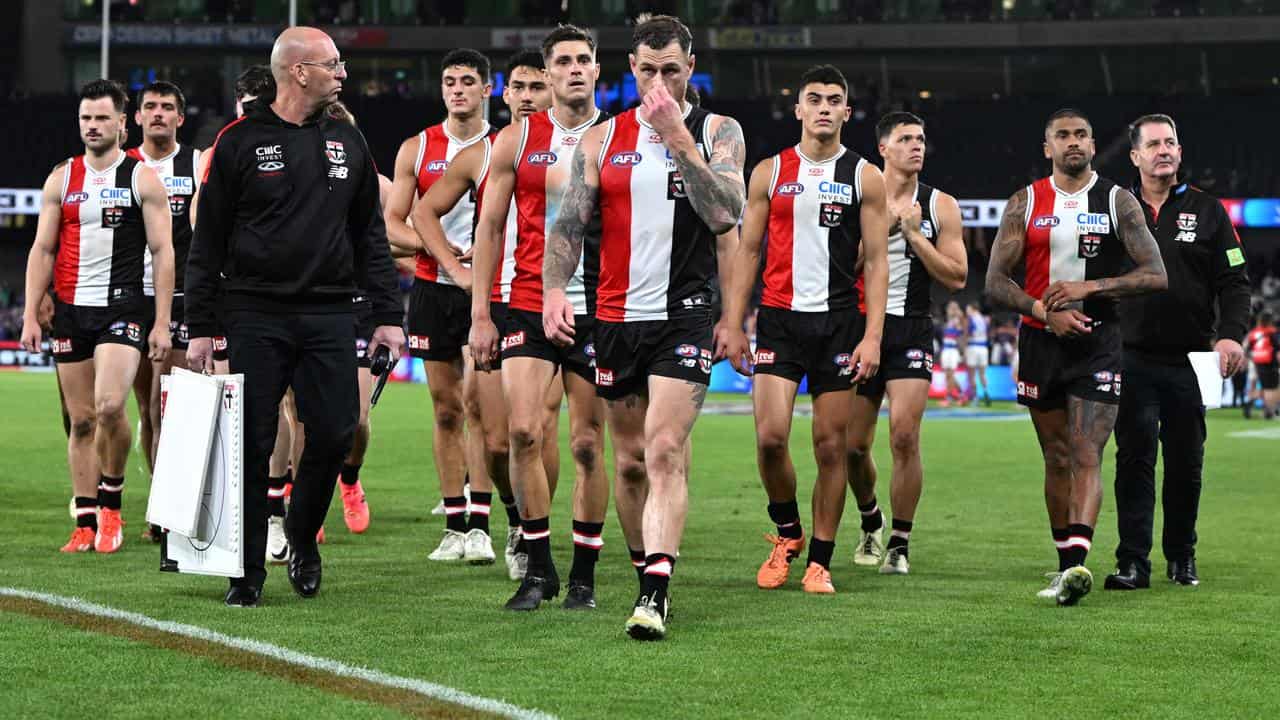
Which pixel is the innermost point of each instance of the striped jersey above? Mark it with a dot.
(436, 149)
(977, 331)
(178, 172)
(951, 336)
(657, 256)
(1072, 236)
(101, 238)
(815, 227)
(542, 177)
(910, 284)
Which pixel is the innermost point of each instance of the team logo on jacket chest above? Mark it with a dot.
(542, 158)
(270, 158)
(335, 152)
(1187, 223)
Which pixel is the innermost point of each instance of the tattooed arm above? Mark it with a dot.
(564, 241)
(1006, 253)
(715, 187)
(1148, 275)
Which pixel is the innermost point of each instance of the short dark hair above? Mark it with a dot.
(525, 58)
(1067, 112)
(887, 123)
(566, 33)
(823, 75)
(657, 31)
(467, 57)
(1135, 127)
(691, 95)
(256, 81)
(165, 88)
(95, 89)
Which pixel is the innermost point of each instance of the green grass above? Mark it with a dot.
(963, 636)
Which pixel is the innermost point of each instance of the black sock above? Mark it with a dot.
(901, 535)
(479, 519)
(455, 513)
(513, 512)
(1079, 540)
(872, 519)
(1060, 536)
(537, 538)
(820, 552)
(109, 490)
(657, 575)
(637, 562)
(587, 542)
(350, 474)
(275, 495)
(87, 512)
(786, 515)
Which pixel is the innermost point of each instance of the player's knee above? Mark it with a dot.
(666, 451)
(109, 408)
(1057, 458)
(525, 437)
(829, 450)
(448, 416)
(904, 442)
(629, 467)
(1084, 455)
(771, 446)
(82, 427)
(497, 444)
(585, 450)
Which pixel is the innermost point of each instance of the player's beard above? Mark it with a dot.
(1076, 165)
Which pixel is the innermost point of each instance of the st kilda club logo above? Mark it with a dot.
(831, 214)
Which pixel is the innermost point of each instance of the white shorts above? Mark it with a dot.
(950, 358)
(977, 356)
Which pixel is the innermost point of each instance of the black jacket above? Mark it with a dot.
(1206, 266)
(289, 221)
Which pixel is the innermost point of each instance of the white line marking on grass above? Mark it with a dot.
(1264, 434)
(334, 667)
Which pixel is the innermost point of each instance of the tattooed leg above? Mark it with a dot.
(673, 407)
(1090, 425)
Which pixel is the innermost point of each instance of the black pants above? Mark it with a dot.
(313, 354)
(1160, 406)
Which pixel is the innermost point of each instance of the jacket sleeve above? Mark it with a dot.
(374, 269)
(1230, 278)
(219, 192)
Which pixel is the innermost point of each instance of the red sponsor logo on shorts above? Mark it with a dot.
(764, 357)
(604, 378)
(1028, 390)
(220, 344)
(61, 345)
(419, 342)
(515, 339)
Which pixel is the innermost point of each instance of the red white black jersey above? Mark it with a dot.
(657, 256)
(178, 171)
(1072, 236)
(542, 177)
(507, 268)
(101, 239)
(436, 149)
(910, 284)
(815, 227)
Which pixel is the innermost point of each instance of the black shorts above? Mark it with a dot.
(627, 353)
(78, 329)
(364, 331)
(178, 334)
(439, 321)
(906, 352)
(524, 337)
(1051, 368)
(793, 344)
(1268, 375)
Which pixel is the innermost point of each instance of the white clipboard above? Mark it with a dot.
(183, 454)
(1209, 376)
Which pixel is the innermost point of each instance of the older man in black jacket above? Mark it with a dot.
(289, 226)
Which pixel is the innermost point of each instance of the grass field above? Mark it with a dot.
(961, 637)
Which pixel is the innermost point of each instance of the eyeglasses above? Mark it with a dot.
(332, 66)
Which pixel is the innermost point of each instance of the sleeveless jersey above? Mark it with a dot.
(1073, 237)
(101, 239)
(910, 284)
(436, 148)
(950, 336)
(815, 227)
(178, 171)
(542, 177)
(977, 331)
(657, 256)
(1260, 345)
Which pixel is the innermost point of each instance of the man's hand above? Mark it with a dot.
(484, 342)
(389, 336)
(1230, 356)
(557, 317)
(865, 360)
(200, 355)
(732, 343)
(1064, 292)
(664, 113)
(31, 333)
(909, 220)
(160, 341)
(1068, 323)
(464, 256)
(44, 315)
(462, 278)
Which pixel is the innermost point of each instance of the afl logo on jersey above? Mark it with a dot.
(791, 188)
(112, 217)
(1093, 223)
(76, 198)
(542, 158)
(926, 228)
(628, 158)
(1045, 221)
(436, 167)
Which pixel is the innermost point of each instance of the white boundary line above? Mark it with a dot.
(333, 667)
